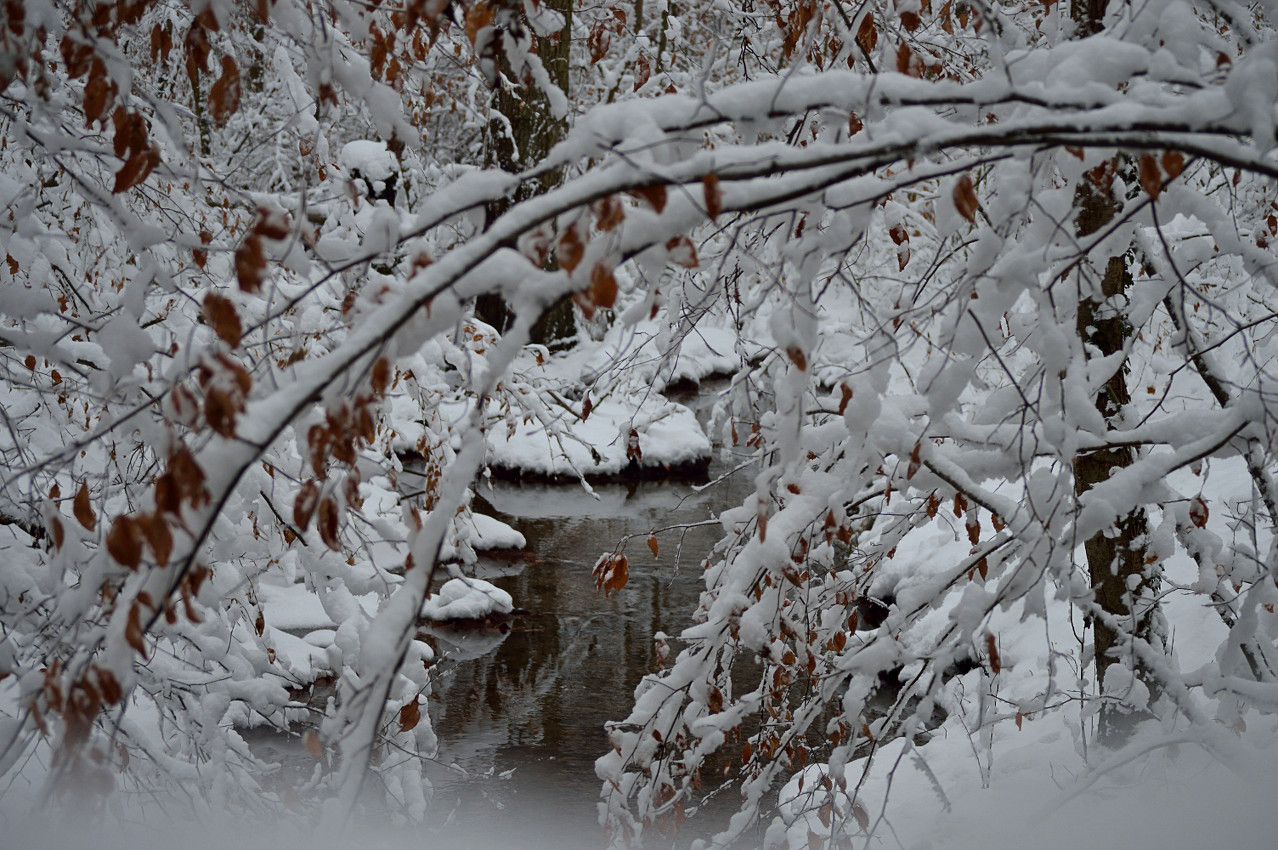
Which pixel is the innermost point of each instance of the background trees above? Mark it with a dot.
(1009, 267)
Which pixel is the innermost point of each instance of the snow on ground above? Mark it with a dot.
(667, 435)
(467, 599)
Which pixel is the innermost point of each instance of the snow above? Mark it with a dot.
(370, 157)
(466, 599)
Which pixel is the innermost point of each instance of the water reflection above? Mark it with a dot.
(537, 703)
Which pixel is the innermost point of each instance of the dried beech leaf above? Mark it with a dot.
(643, 71)
(682, 252)
(313, 745)
(652, 544)
(124, 542)
(1198, 512)
(221, 314)
(1173, 164)
(654, 195)
(603, 286)
(991, 649)
(133, 634)
(713, 195)
(158, 536)
(224, 96)
(569, 249)
(304, 505)
(250, 264)
(965, 198)
(82, 509)
(328, 523)
(409, 716)
(1151, 176)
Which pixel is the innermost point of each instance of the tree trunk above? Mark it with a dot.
(1123, 583)
(522, 140)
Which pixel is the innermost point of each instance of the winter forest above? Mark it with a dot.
(936, 334)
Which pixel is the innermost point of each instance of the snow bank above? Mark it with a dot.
(467, 599)
(667, 435)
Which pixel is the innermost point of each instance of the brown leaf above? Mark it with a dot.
(611, 573)
(158, 536)
(960, 504)
(586, 406)
(250, 262)
(57, 531)
(312, 742)
(273, 224)
(973, 528)
(569, 249)
(409, 716)
(846, 393)
(797, 357)
(643, 71)
(682, 252)
(328, 523)
(221, 314)
(220, 411)
(654, 195)
(915, 461)
(965, 198)
(1173, 164)
(82, 509)
(1198, 511)
(603, 286)
(1151, 177)
(867, 35)
(97, 91)
(136, 169)
(713, 195)
(991, 649)
(652, 544)
(478, 17)
(76, 55)
(380, 377)
(133, 634)
(608, 213)
(304, 504)
(124, 542)
(911, 21)
(861, 815)
(854, 124)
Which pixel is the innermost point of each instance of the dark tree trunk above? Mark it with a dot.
(522, 140)
(1119, 576)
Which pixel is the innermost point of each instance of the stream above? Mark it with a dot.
(520, 715)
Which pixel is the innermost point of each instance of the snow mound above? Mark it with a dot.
(667, 435)
(371, 158)
(492, 533)
(467, 599)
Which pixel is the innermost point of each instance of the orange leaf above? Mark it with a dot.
(652, 544)
(798, 358)
(83, 511)
(867, 35)
(643, 71)
(713, 195)
(133, 633)
(304, 505)
(158, 536)
(124, 542)
(991, 648)
(603, 286)
(250, 262)
(1198, 511)
(682, 252)
(608, 212)
(655, 195)
(965, 198)
(409, 716)
(569, 250)
(328, 522)
(1151, 177)
(222, 315)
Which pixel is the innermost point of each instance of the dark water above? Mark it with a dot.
(522, 718)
